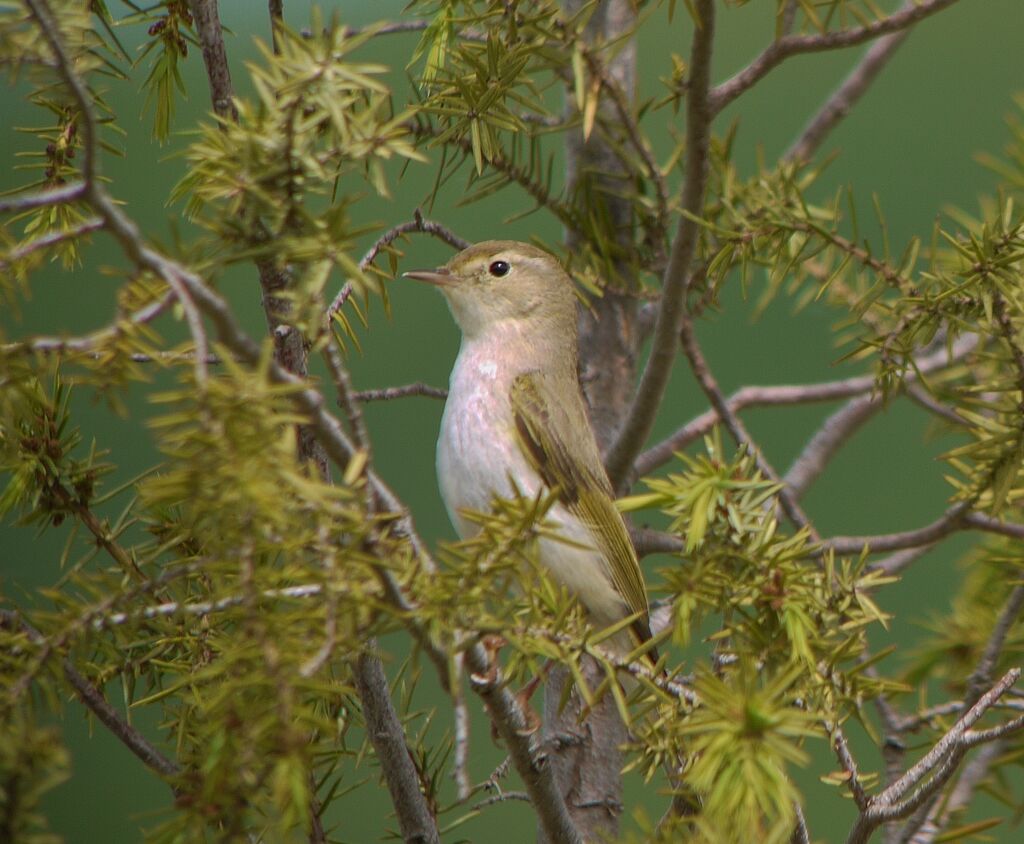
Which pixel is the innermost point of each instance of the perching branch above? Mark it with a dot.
(793, 45)
(654, 380)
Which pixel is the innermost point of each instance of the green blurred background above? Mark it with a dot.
(911, 142)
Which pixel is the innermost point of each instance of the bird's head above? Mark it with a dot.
(500, 280)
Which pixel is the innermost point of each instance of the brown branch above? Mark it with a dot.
(768, 396)
(501, 798)
(89, 342)
(959, 798)
(846, 96)
(751, 396)
(800, 834)
(347, 399)
(654, 381)
(849, 766)
(982, 674)
(461, 732)
(276, 10)
(792, 45)
(897, 561)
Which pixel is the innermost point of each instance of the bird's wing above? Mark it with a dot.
(572, 466)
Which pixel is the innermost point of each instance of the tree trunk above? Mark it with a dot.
(584, 752)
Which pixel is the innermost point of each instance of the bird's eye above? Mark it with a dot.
(499, 268)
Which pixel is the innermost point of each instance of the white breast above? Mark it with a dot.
(477, 450)
(477, 454)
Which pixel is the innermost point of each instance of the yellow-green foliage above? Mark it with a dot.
(234, 589)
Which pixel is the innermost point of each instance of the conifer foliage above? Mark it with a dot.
(263, 592)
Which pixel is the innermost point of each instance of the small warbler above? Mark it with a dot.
(515, 411)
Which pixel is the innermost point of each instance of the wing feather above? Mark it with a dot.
(572, 466)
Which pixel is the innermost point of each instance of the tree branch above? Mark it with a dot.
(792, 45)
(656, 373)
(846, 96)
(940, 762)
(54, 196)
(767, 396)
(390, 393)
(827, 440)
(787, 500)
(385, 732)
(955, 518)
(418, 223)
(218, 73)
(92, 698)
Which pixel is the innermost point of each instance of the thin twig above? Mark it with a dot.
(800, 833)
(955, 518)
(90, 342)
(389, 393)
(418, 223)
(793, 45)
(654, 380)
(50, 239)
(845, 97)
(736, 428)
(972, 774)
(96, 703)
(897, 561)
(501, 798)
(849, 765)
(940, 762)
(982, 674)
(53, 196)
(460, 714)
(827, 440)
(786, 394)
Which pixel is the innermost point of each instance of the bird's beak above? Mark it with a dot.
(439, 277)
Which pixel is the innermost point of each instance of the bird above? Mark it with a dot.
(515, 422)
